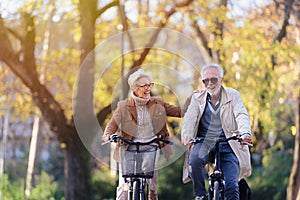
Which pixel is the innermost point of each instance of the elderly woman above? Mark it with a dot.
(141, 117)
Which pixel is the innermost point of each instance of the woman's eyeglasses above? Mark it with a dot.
(212, 80)
(150, 85)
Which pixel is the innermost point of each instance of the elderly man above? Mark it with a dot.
(217, 112)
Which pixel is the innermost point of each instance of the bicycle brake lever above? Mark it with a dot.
(104, 143)
(247, 143)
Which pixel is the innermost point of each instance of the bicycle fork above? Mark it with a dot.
(136, 190)
(216, 186)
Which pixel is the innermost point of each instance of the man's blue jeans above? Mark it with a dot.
(200, 155)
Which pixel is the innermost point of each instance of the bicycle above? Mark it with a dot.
(137, 164)
(216, 182)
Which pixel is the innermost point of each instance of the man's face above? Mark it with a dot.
(212, 81)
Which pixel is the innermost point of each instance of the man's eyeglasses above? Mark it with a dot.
(212, 80)
(150, 85)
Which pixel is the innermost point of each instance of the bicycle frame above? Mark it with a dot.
(216, 182)
(136, 188)
(137, 181)
(216, 179)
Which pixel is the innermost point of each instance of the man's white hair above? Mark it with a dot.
(134, 77)
(212, 65)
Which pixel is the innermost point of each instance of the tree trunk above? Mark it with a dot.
(76, 158)
(32, 154)
(294, 181)
(293, 189)
(77, 171)
(5, 132)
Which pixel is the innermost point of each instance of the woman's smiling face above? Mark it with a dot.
(143, 88)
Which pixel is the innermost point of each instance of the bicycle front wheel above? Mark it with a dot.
(216, 191)
(142, 189)
(136, 190)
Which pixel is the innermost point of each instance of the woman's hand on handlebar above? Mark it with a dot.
(109, 138)
(186, 140)
(113, 137)
(105, 137)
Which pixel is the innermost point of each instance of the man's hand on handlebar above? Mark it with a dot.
(246, 139)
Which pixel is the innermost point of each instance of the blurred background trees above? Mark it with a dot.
(44, 43)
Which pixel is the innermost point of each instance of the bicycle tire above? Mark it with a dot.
(130, 192)
(136, 189)
(130, 195)
(216, 190)
(142, 192)
(210, 193)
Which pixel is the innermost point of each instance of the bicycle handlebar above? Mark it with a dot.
(219, 140)
(115, 138)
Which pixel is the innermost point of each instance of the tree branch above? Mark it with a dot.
(28, 46)
(147, 49)
(203, 38)
(51, 110)
(105, 8)
(288, 5)
(220, 32)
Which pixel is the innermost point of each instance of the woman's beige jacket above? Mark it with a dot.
(234, 118)
(125, 116)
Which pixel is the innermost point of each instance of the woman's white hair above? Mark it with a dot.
(134, 77)
(212, 65)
